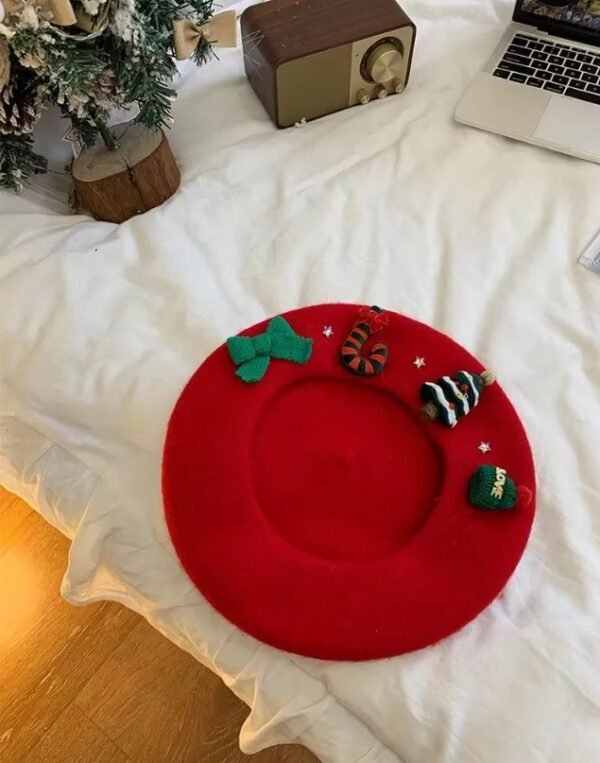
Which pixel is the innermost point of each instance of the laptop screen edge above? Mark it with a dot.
(566, 29)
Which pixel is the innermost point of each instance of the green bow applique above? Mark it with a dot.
(253, 353)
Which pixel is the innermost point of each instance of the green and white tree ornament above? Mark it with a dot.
(449, 398)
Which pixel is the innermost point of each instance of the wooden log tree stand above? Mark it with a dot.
(137, 174)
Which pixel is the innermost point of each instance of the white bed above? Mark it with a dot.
(395, 204)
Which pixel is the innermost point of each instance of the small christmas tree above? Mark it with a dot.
(88, 57)
(450, 398)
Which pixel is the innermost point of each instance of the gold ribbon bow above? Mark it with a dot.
(62, 14)
(219, 30)
(61, 10)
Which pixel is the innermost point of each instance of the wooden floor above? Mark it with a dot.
(97, 684)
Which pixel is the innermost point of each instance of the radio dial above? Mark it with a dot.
(385, 63)
(398, 85)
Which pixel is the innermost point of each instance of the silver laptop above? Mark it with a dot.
(542, 83)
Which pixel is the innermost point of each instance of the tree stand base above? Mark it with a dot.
(139, 175)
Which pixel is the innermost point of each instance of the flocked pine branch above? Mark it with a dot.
(129, 62)
(18, 161)
(141, 53)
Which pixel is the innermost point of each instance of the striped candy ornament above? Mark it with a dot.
(450, 398)
(370, 320)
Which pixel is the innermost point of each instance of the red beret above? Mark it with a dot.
(317, 509)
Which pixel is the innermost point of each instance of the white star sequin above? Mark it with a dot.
(327, 331)
(484, 447)
(419, 362)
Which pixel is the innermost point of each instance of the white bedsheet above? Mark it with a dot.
(393, 204)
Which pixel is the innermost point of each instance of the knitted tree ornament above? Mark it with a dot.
(449, 399)
(492, 489)
(253, 354)
(370, 320)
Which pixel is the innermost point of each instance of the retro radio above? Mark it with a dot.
(307, 58)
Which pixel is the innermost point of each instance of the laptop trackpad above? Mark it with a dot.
(571, 124)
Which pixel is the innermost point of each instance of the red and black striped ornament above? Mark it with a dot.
(370, 320)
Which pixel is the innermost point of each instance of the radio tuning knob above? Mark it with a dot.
(398, 85)
(385, 63)
(381, 91)
(363, 97)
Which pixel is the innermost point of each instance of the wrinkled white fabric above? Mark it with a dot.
(393, 204)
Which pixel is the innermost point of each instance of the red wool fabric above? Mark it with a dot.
(322, 514)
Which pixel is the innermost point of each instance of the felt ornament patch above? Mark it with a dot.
(491, 488)
(450, 398)
(253, 354)
(316, 508)
(370, 321)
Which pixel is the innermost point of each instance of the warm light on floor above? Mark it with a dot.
(20, 595)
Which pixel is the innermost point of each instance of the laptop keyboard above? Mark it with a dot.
(562, 69)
